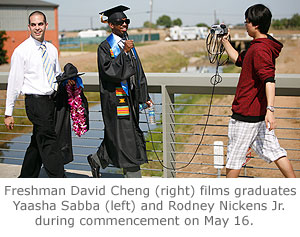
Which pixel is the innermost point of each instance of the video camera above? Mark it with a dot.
(219, 29)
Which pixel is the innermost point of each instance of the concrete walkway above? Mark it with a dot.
(13, 171)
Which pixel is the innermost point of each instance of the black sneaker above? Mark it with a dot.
(95, 168)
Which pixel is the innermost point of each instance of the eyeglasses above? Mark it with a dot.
(121, 22)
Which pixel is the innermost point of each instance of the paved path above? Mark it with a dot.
(13, 171)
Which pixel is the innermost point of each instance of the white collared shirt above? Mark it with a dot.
(119, 40)
(27, 74)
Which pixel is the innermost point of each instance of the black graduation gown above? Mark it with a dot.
(63, 122)
(124, 143)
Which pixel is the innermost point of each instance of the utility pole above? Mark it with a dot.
(150, 20)
(91, 22)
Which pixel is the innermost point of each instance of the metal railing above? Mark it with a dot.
(179, 127)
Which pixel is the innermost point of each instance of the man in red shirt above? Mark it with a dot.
(253, 120)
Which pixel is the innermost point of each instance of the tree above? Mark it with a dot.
(3, 57)
(202, 25)
(277, 24)
(295, 21)
(177, 22)
(292, 23)
(148, 25)
(165, 21)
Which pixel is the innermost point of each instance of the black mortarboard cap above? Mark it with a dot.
(70, 71)
(115, 13)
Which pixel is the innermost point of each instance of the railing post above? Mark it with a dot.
(168, 120)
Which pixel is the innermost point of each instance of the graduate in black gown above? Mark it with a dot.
(123, 87)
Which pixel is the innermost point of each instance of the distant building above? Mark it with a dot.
(92, 33)
(187, 33)
(14, 20)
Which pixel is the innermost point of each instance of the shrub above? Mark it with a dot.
(3, 57)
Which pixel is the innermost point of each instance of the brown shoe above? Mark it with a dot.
(95, 168)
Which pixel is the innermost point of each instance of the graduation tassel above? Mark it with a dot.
(102, 20)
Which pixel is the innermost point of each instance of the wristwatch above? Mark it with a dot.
(271, 108)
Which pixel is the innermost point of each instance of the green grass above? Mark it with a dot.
(152, 155)
(231, 68)
(199, 54)
(169, 62)
(92, 96)
(189, 99)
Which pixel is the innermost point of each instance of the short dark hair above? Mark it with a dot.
(38, 13)
(259, 15)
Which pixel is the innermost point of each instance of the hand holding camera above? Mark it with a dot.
(219, 29)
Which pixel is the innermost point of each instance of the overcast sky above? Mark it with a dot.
(82, 14)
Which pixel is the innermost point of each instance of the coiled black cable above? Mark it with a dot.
(215, 50)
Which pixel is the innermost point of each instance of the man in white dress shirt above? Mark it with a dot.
(28, 76)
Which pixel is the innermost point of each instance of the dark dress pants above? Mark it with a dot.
(43, 148)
